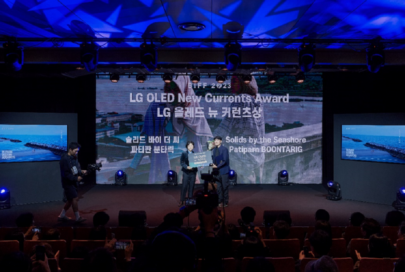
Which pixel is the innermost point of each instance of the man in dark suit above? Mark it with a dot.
(189, 173)
(220, 159)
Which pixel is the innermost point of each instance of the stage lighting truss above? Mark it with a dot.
(233, 177)
(283, 178)
(195, 77)
(233, 56)
(300, 77)
(375, 57)
(272, 79)
(13, 56)
(141, 78)
(334, 191)
(221, 78)
(114, 78)
(399, 203)
(172, 178)
(149, 56)
(247, 78)
(89, 56)
(306, 57)
(120, 178)
(167, 78)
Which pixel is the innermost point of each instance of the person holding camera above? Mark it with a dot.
(189, 173)
(71, 173)
(220, 159)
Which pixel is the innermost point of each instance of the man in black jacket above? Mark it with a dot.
(71, 173)
(189, 173)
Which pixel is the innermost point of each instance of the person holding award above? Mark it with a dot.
(220, 159)
(189, 173)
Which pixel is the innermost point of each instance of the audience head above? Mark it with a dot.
(100, 219)
(320, 242)
(25, 220)
(99, 260)
(325, 226)
(356, 219)
(52, 234)
(370, 227)
(379, 247)
(260, 264)
(16, 262)
(322, 214)
(281, 229)
(173, 251)
(394, 218)
(173, 220)
(323, 264)
(248, 215)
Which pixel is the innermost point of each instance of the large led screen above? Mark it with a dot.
(142, 128)
(373, 143)
(29, 143)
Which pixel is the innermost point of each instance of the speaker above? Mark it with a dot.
(269, 217)
(132, 218)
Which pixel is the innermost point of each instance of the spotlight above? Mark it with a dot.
(272, 79)
(399, 203)
(334, 191)
(149, 56)
(120, 178)
(4, 199)
(13, 56)
(375, 57)
(195, 78)
(172, 178)
(114, 78)
(233, 177)
(221, 78)
(167, 78)
(306, 57)
(283, 178)
(141, 78)
(300, 77)
(247, 78)
(233, 56)
(89, 56)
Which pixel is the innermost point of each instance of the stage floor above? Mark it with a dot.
(158, 200)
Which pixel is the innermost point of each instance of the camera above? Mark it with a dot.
(121, 245)
(94, 167)
(38, 230)
(207, 201)
(190, 202)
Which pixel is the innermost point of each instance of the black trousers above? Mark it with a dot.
(188, 183)
(223, 188)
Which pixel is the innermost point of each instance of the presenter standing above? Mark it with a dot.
(189, 173)
(220, 159)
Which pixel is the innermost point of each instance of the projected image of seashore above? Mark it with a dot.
(373, 143)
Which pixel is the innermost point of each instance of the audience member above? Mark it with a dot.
(320, 244)
(281, 229)
(99, 260)
(369, 227)
(394, 218)
(325, 226)
(48, 250)
(52, 234)
(252, 246)
(99, 231)
(322, 215)
(25, 220)
(260, 264)
(380, 247)
(323, 264)
(356, 219)
(247, 215)
(16, 262)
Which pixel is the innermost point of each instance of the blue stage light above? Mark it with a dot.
(2, 191)
(233, 177)
(89, 56)
(171, 178)
(233, 56)
(13, 56)
(120, 178)
(149, 56)
(4, 199)
(283, 178)
(306, 57)
(231, 173)
(330, 183)
(402, 191)
(334, 191)
(375, 57)
(170, 173)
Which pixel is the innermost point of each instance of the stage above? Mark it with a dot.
(158, 200)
